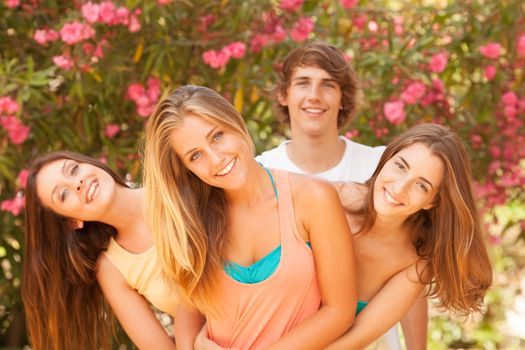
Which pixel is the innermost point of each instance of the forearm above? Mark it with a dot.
(415, 325)
(187, 325)
(317, 331)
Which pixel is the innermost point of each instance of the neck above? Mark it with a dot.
(388, 226)
(258, 187)
(315, 154)
(126, 213)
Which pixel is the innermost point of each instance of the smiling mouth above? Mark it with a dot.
(391, 199)
(314, 110)
(93, 186)
(228, 168)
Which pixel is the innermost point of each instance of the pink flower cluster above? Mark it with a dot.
(111, 130)
(302, 29)
(43, 36)
(491, 50)
(347, 4)
(438, 62)
(63, 61)
(520, 46)
(290, 5)
(145, 98)
(14, 205)
(413, 92)
(220, 58)
(11, 3)
(107, 13)
(394, 111)
(16, 130)
(75, 32)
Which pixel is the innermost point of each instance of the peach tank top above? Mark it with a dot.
(254, 316)
(143, 273)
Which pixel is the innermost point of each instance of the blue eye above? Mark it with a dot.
(195, 156)
(218, 135)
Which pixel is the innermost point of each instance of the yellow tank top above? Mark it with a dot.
(143, 273)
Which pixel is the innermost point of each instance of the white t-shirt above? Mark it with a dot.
(357, 164)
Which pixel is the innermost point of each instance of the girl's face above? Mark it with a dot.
(408, 182)
(214, 153)
(76, 190)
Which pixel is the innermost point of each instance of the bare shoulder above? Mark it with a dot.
(311, 189)
(106, 271)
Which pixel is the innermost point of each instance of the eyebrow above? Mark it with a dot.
(408, 166)
(309, 78)
(207, 136)
(62, 170)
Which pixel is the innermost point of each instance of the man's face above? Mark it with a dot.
(313, 99)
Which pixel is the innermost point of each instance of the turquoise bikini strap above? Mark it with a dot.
(271, 178)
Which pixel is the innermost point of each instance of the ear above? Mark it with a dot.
(76, 224)
(283, 101)
(428, 206)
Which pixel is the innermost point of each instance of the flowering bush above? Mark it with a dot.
(84, 76)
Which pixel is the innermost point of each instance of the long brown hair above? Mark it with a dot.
(188, 217)
(63, 302)
(447, 236)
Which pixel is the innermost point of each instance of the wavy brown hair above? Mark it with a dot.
(188, 217)
(328, 58)
(64, 305)
(447, 236)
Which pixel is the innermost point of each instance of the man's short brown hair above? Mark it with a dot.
(328, 58)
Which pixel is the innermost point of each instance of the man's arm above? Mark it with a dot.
(415, 324)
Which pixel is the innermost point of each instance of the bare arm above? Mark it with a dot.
(132, 310)
(415, 324)
(317, 207)
(383, 311)
(187, 325)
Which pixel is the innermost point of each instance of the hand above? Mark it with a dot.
(202, 342)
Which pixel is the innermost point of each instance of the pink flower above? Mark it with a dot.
(205, 21)
(163, 2)
(235, 50)
(146, 110)
(153, 89)
(509, 98)
(16, 131)
(215, 59)
(438, 62)
(90, 12)
(290, 5)
(278, 34)
(106, 12)
(111, 130)
(373, 26)
(134, 24)
(74, 32)
(490, 72)
(8, 105)
(351, 134)
(122, 16)
(11, 3)
(258, 41)
(490, 50)
(302, 29)
(520, 45)
(347, 4)
(413, 93)
(395, 112)
(63, 61)
(14, 205)
(40, 36)
(360, 21)
(135, 91)
(22, 178)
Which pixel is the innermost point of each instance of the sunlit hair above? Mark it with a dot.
(328, 58)
(188, 217)
(64, 305)
(447, 236)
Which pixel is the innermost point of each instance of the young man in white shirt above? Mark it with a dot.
(316, 94)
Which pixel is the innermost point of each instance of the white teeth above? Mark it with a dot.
(91, 191)
(313, 110)
(228, 168)
(391, 199)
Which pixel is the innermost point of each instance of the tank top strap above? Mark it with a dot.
(287, 223)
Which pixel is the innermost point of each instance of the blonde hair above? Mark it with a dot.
(188, 217)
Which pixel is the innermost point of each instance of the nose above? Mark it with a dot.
(216, 156)
(400, 187)
(80, 184)
(313, 92)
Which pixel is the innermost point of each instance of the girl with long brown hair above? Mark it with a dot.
(416, 226)
(234, 236)
(87, 245)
